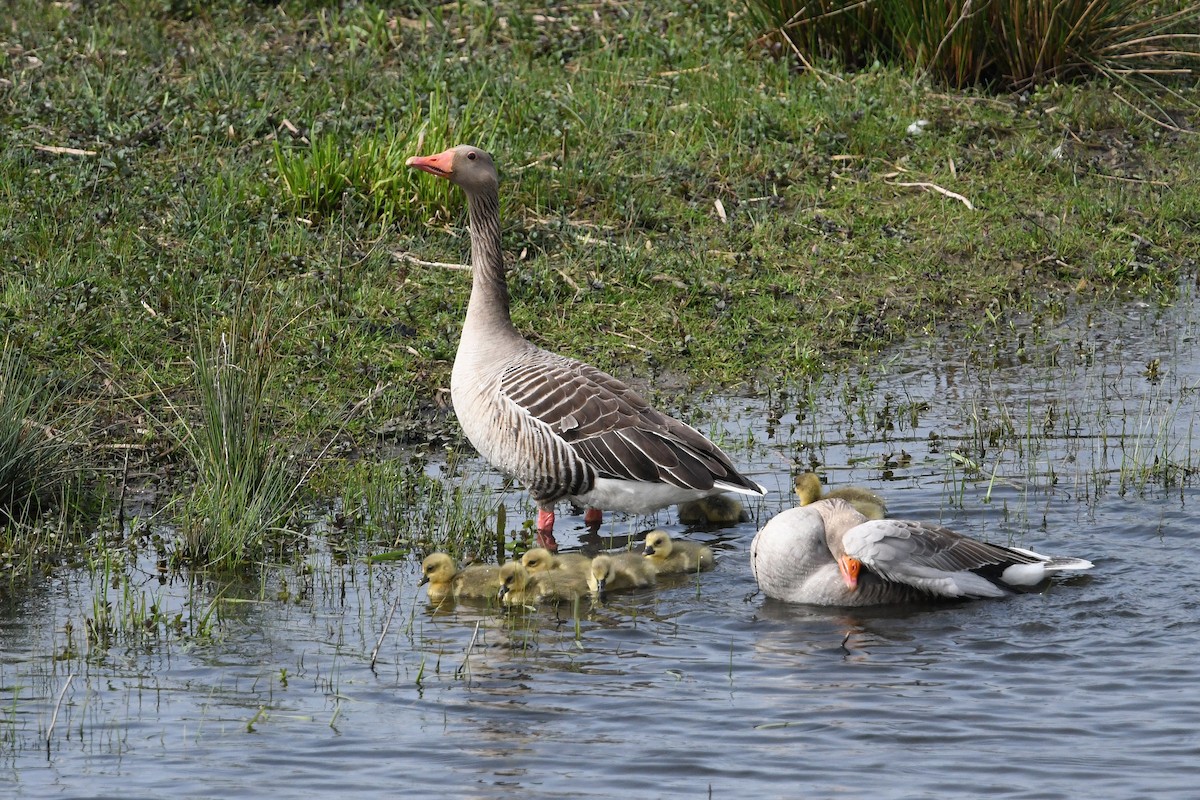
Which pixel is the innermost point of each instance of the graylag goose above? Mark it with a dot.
(519, 587)
(444, 579)
(827, 553)
(619, 571)
(539, 559)
(564, 429)
(669, 556)
(809, 489)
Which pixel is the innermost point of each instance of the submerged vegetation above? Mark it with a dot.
(679, 205)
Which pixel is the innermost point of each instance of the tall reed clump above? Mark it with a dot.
(1007, 43)
(244, 492)
(370, 174)
(37, 466)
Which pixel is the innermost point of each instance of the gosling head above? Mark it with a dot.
(437, 568)
(808, 487)
(601, 572)
(465, 166)
(513, 578)
(539, 559)
(658, 544)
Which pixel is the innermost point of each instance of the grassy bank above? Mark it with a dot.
(678, 204)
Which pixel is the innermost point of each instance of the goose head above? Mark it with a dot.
(539, 559)
(513, 578)
(465, 166)
(658, 545)
(437, 568)
(602, 571)
(808, 487)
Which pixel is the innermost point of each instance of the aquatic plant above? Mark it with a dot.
(244, 492)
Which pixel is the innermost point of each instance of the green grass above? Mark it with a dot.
(239, 155)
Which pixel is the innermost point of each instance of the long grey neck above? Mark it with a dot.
(488, 309)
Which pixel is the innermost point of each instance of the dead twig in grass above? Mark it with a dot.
(63, 151)
(933, 187)
(1150, 117)
(422, 263)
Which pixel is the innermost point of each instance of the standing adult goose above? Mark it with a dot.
(826, 553)
(563, 428)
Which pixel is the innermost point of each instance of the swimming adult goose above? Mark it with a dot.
(826, 553)
(564, 429)
(810, 489)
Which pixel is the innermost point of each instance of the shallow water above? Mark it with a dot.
(1066, 442)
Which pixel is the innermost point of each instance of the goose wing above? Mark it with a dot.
(609, 426)
(933, 558)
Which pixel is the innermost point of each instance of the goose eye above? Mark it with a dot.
(470, 156)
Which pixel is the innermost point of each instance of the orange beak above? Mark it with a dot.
(441, 164)
(849, 567)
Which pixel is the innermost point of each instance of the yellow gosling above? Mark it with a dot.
(867, 503)
(619, 571)
(669, 556)
(444, 579)
(718, 509)
(518, 587)
(539, 560)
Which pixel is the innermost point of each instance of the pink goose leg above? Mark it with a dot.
(545, 530)
(593, 517)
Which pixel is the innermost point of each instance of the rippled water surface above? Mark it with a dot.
(1071, 437)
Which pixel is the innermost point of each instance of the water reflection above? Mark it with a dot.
(1060, 436)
